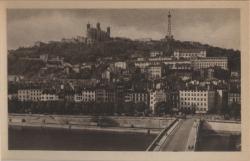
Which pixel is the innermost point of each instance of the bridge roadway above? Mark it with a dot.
(178, 140)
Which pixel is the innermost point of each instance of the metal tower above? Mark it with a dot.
(169, 34)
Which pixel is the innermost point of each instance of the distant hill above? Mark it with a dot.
(77, 52)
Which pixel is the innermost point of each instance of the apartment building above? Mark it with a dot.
(29, 94)
(190, 53)
(201, 100)
(137, 97)
(234, 97)
(120, 65)
(154, 72)
(209, 62)
(156, 96)
(104, 95)
(49, 97)
(88, 95)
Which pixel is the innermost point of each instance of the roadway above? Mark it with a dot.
(178, 140)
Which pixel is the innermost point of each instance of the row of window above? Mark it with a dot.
(191, 54)
(194, 99)
(193, 94)
(49, 97)
(212, 64)
(197, 109)
(192, 103)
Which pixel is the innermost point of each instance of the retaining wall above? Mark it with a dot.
(121, 121)
(222, 126)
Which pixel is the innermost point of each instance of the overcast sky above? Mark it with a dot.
(217, 27)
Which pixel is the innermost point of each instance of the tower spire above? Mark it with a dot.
(169, 24)
(169, 32)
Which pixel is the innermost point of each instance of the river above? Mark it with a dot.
(30, 138)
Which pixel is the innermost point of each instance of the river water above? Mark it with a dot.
(30, 138)
(62, 139)
(212, 141)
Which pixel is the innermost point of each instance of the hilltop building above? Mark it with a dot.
(97, 34)
(201, 63)
(190, 53)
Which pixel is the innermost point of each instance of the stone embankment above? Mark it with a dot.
(104, 123)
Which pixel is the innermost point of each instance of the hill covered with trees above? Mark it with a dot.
(118, 48)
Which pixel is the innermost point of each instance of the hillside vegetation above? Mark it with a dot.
(76, 52)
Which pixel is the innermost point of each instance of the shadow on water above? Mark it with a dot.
(211, 140)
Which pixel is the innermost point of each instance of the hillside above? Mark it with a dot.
(76, 52)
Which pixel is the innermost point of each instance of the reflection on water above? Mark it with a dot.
(212, 141)
(61, 139)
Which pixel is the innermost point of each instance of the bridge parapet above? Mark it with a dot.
(162, 137)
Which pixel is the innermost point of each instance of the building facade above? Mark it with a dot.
(137, 97)
(190, 53)
(88, 95)
(49, 97)
(156, 96)
(154, 72)
(201, 100)
(201, 63)
(234, 97)
(29, 94)
(156, 53)
(120, 65)
(97, 34)
(104, 96)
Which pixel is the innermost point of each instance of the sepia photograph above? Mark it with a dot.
(162, 79)
(124, 80)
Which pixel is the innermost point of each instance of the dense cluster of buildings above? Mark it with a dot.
(114, 82)
(151, 80)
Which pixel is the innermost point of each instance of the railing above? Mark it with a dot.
(157, 142)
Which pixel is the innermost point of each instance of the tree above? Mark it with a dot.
(140, 107)
(128, 107)
(163, 108)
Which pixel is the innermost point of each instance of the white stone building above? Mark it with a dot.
(49, 97)
(155, 53)
(201, 100)
(190, 53)
(156, 96)
(137, 97)
(88, 95)
(154, 72)
(209, 62)
(29, 94)
(234, 97)
(120, 65)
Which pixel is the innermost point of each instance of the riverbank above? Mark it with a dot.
(98, 123)
(90, 128)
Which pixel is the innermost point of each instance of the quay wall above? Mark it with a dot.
(110, 121)
(222, 126)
